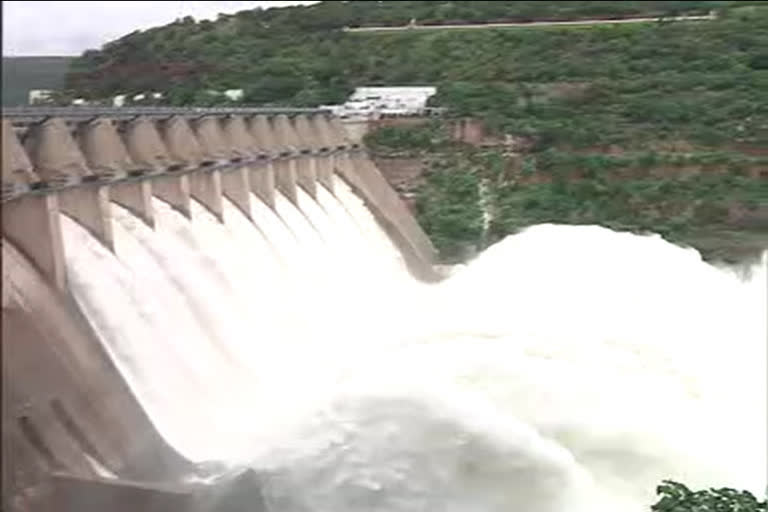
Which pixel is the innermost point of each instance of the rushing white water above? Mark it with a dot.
(565, 369)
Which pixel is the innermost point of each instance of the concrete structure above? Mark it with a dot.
(375, 102)
(68, 416)
(396, 100)
(39, 96)
(234, 94)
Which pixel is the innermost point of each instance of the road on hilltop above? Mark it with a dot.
(529, 24)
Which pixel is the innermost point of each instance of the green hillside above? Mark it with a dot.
(658, 126)
(22, 74)
(702, 81)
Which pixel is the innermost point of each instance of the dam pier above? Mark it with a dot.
(75, 436)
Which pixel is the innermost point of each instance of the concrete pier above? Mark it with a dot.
(145, 146)
(235, 133)
(263, 176)
(256, 177)
(57, 160)
(205, 187)
(234, 180)
(205, 181)
(147, 151)
(174, 190)
(136, 197)
(285, 166)
(104, 150)
(18, 175)
(262, 181)
(325, 162)
(339, 140)
(54, 153)
(89, 206)
(32, 224)
(306, 170)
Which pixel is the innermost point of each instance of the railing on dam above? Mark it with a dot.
(24, 174)
(36, 114)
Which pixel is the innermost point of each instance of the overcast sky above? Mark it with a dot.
(69, 28)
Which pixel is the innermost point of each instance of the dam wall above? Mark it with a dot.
(73, 432)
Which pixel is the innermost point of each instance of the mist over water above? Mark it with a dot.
(567, 368)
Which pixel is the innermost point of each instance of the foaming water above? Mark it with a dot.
(565, 369)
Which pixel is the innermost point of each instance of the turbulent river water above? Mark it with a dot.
(566, 368)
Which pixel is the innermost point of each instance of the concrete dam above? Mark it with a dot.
(76, 434)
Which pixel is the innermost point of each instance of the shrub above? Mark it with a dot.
(676, 497)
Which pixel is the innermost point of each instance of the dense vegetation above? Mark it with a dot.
(702, 83)
(707, 199)
(298, 56)
(659, 126)
(22, 74)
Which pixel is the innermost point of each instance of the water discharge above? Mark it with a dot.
(567, 368)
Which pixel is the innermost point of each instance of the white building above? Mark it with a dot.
(121, 99)
(37, 96)
(377, 101)
(234, 94)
